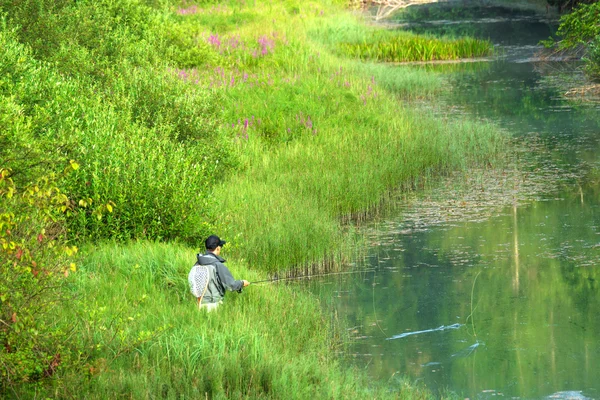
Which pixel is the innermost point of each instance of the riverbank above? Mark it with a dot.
(238, 119)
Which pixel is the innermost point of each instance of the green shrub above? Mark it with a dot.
(580, 28)
(165, 131)
(34, 261)
(39, 111)
(593, 59)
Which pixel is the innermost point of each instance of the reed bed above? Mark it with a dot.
(391, 48)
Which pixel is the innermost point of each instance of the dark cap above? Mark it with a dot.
(213, 241)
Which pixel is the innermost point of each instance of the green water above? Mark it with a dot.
(488, 286)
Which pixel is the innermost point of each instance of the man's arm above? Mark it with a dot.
(228, 280)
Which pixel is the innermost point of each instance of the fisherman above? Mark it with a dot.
(210, 277)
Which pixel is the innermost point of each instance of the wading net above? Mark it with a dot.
(198, 280)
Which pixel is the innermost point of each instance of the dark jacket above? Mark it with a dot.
(220, 280)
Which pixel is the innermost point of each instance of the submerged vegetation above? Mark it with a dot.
(175, 121)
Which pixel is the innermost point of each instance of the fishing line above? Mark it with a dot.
(311, 276)
(374, 310)
(472, 309)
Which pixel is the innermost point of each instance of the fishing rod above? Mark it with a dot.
(311, 276)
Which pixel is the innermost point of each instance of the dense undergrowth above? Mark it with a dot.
(176, 121)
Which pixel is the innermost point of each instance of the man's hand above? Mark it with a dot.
(246, 283)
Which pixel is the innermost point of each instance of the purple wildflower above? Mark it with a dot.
(234, 42)
(187, 11)
(266, 45)
(214, 41)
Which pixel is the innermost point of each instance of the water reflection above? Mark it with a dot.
(476, 307)
(492, 290)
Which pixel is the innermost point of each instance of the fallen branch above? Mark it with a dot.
(388, 7)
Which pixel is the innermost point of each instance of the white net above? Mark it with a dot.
(198, 280)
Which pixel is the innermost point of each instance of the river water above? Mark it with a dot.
(487, 285)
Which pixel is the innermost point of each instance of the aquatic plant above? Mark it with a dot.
(414, 48)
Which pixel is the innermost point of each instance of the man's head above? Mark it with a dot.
(213, 243)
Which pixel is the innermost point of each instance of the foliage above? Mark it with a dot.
(568, 4)
(37, 106)
(151, 118)
(34, 262)
(593, 57)
(580, 28)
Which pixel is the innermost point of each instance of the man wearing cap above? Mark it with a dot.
(221, 279)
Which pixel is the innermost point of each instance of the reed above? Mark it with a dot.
(350, 37)
(405, 48)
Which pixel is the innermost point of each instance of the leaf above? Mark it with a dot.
(109, 208)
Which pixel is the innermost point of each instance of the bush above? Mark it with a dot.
(148, 143)
(581, 29)
(593, 59)
(34, 262)
(38, 110)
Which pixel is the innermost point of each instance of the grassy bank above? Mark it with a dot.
(144, 337)
(236, 118)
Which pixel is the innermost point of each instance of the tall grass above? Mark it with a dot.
(149, 340)
(415, 48)
(320, 140)
(349, 37)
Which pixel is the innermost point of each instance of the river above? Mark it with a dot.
(487, 285)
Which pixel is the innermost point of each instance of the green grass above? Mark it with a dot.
(145, 337)
(349, 37)
(407, 48)
(322, 139)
